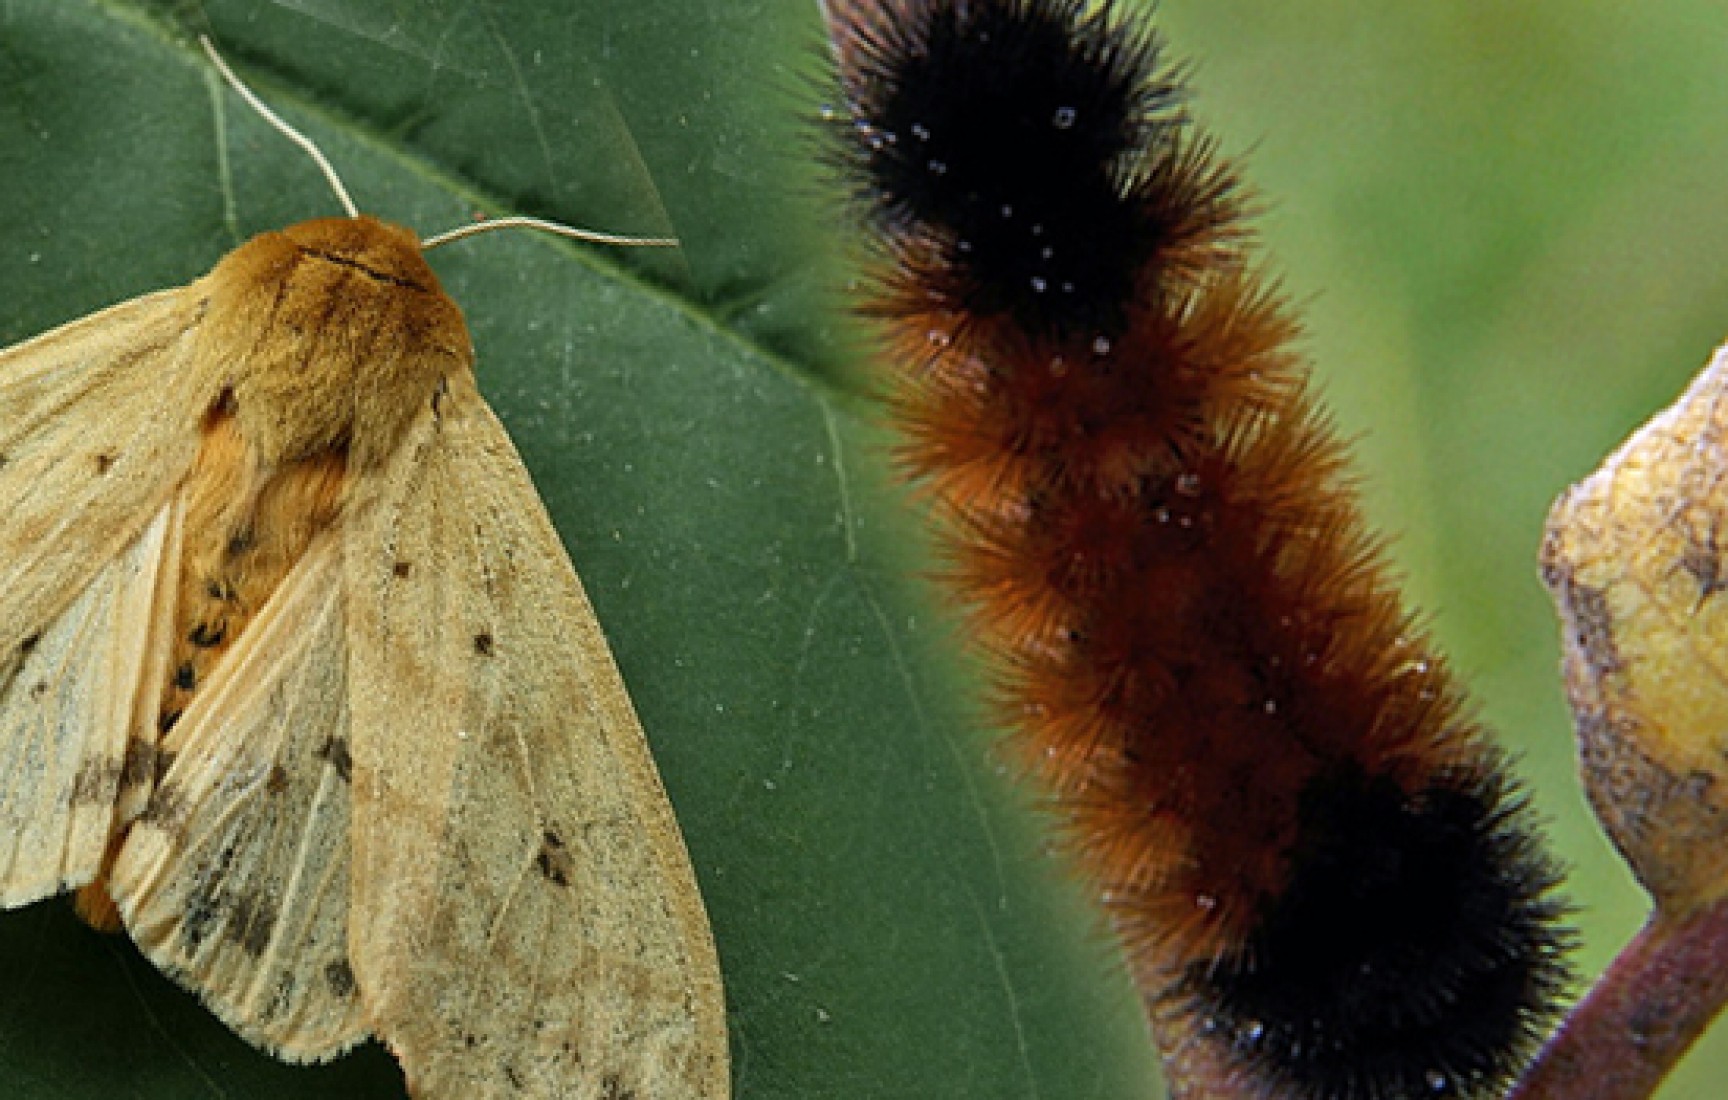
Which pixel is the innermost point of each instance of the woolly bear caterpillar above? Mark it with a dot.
(1322, 874)
(295, 669)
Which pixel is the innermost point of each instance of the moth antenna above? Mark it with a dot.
(557, 228)
(516, 222)
(282, 127)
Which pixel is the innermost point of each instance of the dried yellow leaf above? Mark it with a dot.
(1633, 557)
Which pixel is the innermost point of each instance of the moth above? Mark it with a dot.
(298, 685)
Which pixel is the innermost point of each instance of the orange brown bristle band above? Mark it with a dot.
(1312, 854)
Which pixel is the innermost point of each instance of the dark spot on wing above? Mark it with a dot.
(165, 721)
(281, 996)
(241, 541)
(104, 462)
(29, 644)
(514, 1078)
(611, 1088)
(483, 644)
(339, 976)
(206, 636)
(334, 751)
(38, 689)
(205, 901)
(553, 862)
(251, 923)
(97, 782)
(168, 809)
(402, 569)
(186, 677)
(139, 764)
(195, 922)
(277, 782)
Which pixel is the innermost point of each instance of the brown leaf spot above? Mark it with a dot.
(334, 751)
(1703, 561)
(339, 976)
(1663, 823)
(1592, 623)
(483, 644)
(553, 862)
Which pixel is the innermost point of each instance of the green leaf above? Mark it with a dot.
(888, 921)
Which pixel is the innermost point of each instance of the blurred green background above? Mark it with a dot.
(1499, 220)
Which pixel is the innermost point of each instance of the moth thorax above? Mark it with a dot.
(333, 334)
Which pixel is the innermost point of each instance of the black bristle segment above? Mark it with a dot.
(1417, 952)
(1022, 140)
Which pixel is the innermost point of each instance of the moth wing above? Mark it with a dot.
(235, 880)
(525, 920)
(98, 424)
(72, 766)
(96, 430)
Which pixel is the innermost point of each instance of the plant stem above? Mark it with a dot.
(1659, 994)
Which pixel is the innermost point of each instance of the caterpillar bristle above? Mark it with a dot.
(1059, 97)
(1322, 877)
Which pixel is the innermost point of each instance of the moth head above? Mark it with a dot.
(343, 330)
(346, 330)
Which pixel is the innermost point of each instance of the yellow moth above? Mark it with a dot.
(295, 671)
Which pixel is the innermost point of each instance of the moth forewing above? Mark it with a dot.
(551, 867)
(95, 432)
(66, 713)
(94, 435)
